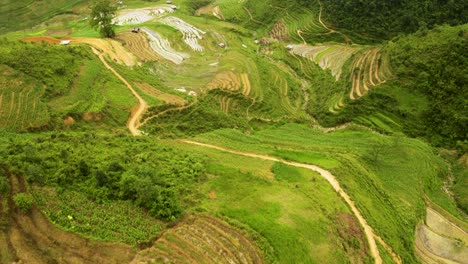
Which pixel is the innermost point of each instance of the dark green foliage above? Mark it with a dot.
(102, 13)
(23, 201)
(386, 19)
(4, 184)
(435, 63)
(194, 5)
(108, 168)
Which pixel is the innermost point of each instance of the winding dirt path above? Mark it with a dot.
(371, 236)
(134, 121)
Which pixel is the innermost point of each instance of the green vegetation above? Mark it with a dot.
(62, 118)
(110, 220)
(22, 14)
(386, 19)
(23, 201)
(102, 13)
(386, 176)
(436, 64)
(296, 216)
(158, 179)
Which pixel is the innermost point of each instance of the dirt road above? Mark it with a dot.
(370, 234)
(134, 121)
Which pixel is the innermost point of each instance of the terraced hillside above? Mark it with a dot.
(368, 71)
(331, 57)
(201, 239)
(20, 14)
(21, 107)
(229, 131)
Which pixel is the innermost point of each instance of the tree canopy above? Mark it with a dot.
(102, 14)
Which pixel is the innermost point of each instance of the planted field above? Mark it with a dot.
(440, 240)
(331, 57)
(280, 31)
(95, 90)
(138, 45)
(190, 34)
(162, 46)
(31, 238)
(202, 239)
(21, 107)
(141, 15)
(155, 93)
(231, 81)
(210, 10)
(21, 14)
(367, 72)
(109, 47)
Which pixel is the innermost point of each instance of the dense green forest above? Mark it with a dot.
(105, 168)
(385, 19)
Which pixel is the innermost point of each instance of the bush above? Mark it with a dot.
(23, 201)
(4, 186)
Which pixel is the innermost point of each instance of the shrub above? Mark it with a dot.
(23, 201)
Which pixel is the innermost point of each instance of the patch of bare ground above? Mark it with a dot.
(138, 44)
(210, 10)
(109, 47)
(352, 237)
(231, 81)
(201, 239)
(155, 93)
(30, 238)
(280, 31)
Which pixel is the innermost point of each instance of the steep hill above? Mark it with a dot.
(233, 131)
(386, 19)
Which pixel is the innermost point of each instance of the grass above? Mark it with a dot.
(291, 211)
(386, 176)
(22, 14)
(95, 90)
(118, 221)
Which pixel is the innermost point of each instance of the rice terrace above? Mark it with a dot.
(233, 131)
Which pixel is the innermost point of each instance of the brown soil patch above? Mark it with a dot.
(212, 195)
(139, 45)
(155, 93)
(201, 239)
(68, 121)
(210, 10)
(92, 116)
(30, 238)
(109, 47)
(280, 31)
(58, 32)
(353, 239)
(464, 160)
(231, 81)
(366, 72)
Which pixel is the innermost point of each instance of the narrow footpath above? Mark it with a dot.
(134, 121)
(371, 236)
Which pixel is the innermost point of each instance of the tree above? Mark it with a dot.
(102, 14)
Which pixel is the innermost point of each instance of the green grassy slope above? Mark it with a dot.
(22, 14)
(386, 176)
